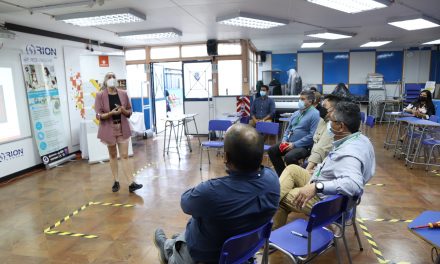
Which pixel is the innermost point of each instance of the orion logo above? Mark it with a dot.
(40, 50)
(8, 155)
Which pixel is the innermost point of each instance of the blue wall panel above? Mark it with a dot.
(358, 89)
(283, 63)
(390, 64)
(437, 108)
(336, 67)
(435, 66)
(136, 104)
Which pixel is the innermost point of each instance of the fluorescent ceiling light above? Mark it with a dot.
(105, 17)
(312, 44)
(352, 6)
(151, 34)
(414, 22)
(434, 42)
(327, 34)
(242, 19)
(375, 43)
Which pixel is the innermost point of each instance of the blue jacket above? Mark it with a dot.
(225, 207)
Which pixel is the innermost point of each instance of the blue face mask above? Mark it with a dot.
(301, 105)
(263, 93)
(329, 129)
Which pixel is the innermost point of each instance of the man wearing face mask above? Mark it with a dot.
(223, 207)
(298, 137)
(263, 107)
(348, 167)
(322, 140)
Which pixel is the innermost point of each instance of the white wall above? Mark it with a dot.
(361, 64)
(416, 66)
(310, 68)
(30, 152)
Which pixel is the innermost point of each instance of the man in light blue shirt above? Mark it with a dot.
(298, 136)
(347, 168)
(263, 107)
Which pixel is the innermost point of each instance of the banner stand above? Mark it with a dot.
(60, 161)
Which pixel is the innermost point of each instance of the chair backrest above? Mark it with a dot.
(245, 119)
(362, 117)
(326, 212)
(238, 249)
(219, 125)
(370, 121)
(268, 128)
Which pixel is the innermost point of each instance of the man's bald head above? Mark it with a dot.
(244, 148)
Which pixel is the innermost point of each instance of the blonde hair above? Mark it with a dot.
(107, 76)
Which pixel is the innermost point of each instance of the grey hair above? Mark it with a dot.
(104, 83)
(349, 114)
(310, 95)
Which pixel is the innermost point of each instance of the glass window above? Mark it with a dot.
(229, 49)
(230, 77)
(194, 51)
(165, 52)
(136, 80)
(137, 54)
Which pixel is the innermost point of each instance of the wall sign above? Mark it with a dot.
(32, 49)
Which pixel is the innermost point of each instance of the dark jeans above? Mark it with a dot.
(291, 157)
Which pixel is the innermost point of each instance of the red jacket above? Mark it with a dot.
(102, 106)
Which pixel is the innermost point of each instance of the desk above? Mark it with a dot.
(424, 125)
(432, 236)
(392, 103)
(389, 134)
(177, 125)
(398, 151)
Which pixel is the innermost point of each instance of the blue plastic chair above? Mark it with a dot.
(362, 117)
(239, 249)
(214, 125)
(369, 123)
(350, 219)
(268, 128)
(315, 238)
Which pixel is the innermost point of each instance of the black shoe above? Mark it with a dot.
(159, 242)
(115, 186)
(134, 186)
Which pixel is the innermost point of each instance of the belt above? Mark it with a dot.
(116, 121)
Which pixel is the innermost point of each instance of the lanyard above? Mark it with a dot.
(298, 119)
(353, 138)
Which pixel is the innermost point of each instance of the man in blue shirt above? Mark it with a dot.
(263, 107)
(224, 207)
(298, 136)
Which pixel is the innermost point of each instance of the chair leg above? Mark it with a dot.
(201, 154)
(209, 159)
(337, 250)
(357, 235)
(346, 249)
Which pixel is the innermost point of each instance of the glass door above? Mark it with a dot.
(197, 85)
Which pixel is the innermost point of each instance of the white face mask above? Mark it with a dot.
(329, 129)
(111, 82)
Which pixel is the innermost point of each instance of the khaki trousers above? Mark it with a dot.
(252, 122)
(292, 178)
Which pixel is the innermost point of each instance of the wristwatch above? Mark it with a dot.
(319, 186)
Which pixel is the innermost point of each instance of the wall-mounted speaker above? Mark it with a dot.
(262, 56)
(211, 46)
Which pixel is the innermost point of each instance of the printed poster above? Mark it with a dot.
(45, 107)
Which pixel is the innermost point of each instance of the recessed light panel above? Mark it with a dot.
(434, 42)
(242, 19)
(307, 45)
(351, 6)
(414, 23)
(105, 17)
(326, 34)
(375, 44)
(151, 34)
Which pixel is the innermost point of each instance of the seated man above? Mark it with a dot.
(322, 141)
(224, 207)
(263, 107)
(348, 167)
(298, 136)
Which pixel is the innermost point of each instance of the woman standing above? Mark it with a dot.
(423, 106)
(113, 109)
